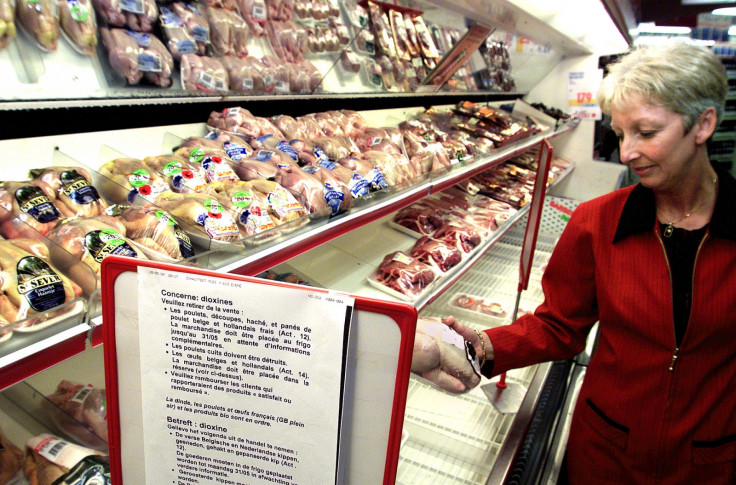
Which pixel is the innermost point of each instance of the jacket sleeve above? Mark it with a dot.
(559, 326)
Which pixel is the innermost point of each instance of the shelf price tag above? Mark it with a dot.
(582, 88)
(241, 382)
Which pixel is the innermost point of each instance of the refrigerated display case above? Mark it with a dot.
(547, 42)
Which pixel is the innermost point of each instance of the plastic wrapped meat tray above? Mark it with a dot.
(402, 276)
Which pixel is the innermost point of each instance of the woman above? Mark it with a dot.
(655, 264)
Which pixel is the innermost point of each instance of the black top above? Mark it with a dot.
(682, 246)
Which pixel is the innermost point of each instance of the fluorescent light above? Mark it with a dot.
(725, 11)
(650, 28)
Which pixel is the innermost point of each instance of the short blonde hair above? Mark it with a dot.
(681, 77)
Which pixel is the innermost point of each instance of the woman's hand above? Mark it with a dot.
(478, 339)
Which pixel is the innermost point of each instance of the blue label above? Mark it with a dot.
(359, 186)
(310, 169)
(201, 34)
(143, 40)
(378, 182)
(77, 188)
(327, 164)
(33, 201)
(169, 18)
(263, 155)
(263, 138)
(186, 47)
(286, 148)
(320, 154)
(235, 151)
(334, 198)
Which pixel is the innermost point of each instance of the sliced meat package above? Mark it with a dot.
(7, 23)
(180, 175)
(157, 234)
(178, 39)
(38, 18)
(77, 19)
(75, 194)
(458, 233)
(403, 274)
(49, 458)
(420, 218)
(89, 241)
(134, 55)
(137, 15)
(399, 35)
(195, 22)
(229, 33)
(130, 177)
(31, 283)
(443, 357)
(80, 412)
(29, 206)
(202, 73)
(436, 253)
(11, 459)
(382, 30)
(210, 214)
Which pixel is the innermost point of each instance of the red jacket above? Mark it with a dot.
(647, 413)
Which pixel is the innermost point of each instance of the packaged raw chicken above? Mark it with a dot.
(7, 23)
(209, 214)
(39, 19)
(31, 284)
(90, 470)
(235, 146)
(155, 232)
(11, 460)
(255, 15)
(178, 39)
(443, 357)
(229, 33)
(214, 163)
(75, 194)
(80, 412)
(89, 241)
(77, 19)
(49, 458)
(128, 178)
(195, 23)
(306, 188)
(181, 175)
(134, 55)
(202, 73)
(242, 75)
(282, 206)
(28, 206)
(138, 15)
(251, 208)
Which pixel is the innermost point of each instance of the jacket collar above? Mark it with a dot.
(639, 212)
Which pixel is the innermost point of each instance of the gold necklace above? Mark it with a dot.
(669, 226)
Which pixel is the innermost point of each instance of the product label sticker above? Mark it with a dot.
(256, 220)
(402, 258)
(334, 197)
(326, 164)
(377, 180)
(263, 155)
(80, 393)
(320, 154)
(172, 168)
(78, 11)
(359, 186)
(102, 243)
(143, 40)
(216, 222)
(149, 63)
(201, 34)
(33, 201)
(186, 47)
(196, 155)
(134, 6)
(283, 202)
(284, 147)
(42, 288)
(242, 199)
(235, 151)
(247, 84)
(77, 188)
(259, 14)
(217, 170)
(50, 448)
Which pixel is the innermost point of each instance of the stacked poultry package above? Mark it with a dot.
(448, 227)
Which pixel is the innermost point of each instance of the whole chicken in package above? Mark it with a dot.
(137, 15)
(28, 207)
(128, 178)
(209, 214)
(134, 55)
(195, 22)
(443, 357)
(178, 39)
(75, 194)
(181, 175)
(204, 74)
(244, 76)
(31, 284)
(77, 18)
(7, 23)
(252, 209)
(80, 412)
(49, 459)
(255, 15)
(214, 162)
(154, 231)
(89, 241)
(229, 33)
(40, 19)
